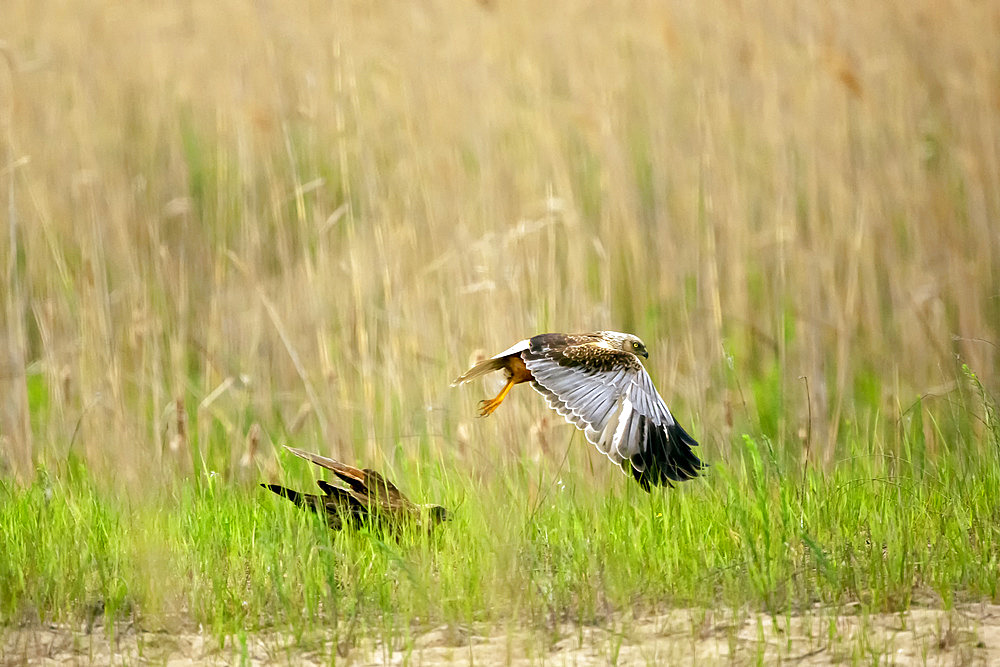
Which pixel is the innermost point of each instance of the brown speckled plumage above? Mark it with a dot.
(597, 382)
(589, 351)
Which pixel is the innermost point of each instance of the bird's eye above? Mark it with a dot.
(635, 345)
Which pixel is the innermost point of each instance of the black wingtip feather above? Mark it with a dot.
(303, 500)
(294, 496)
(666, 458)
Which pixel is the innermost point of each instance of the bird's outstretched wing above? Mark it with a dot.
(366, 485)
(336, 505)
(608, 394)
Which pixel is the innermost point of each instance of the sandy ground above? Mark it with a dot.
(969, 635)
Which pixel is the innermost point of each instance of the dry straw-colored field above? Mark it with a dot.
(311, 215)
(231, 225)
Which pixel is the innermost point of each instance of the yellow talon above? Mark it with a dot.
(487, 407)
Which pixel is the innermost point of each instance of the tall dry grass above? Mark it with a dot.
(310, 215)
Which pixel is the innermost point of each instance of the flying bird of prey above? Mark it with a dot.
(597, 383)
(368, 497)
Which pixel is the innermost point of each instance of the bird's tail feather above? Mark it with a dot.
(482, 368)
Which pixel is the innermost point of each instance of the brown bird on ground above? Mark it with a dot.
(596, 381)
(368, 498)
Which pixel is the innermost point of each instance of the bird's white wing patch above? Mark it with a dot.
(624, 419)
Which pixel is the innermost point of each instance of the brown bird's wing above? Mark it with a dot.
(336, 505)
(367, 486)
(343, 470)
(607, 393)
(303, 500)
(344, 503)
(387, 493)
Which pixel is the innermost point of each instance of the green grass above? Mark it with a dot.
(539, 543)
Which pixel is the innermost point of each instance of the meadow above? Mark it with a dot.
(231, 226)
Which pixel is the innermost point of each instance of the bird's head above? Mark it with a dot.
(626, 343)
(437, 514)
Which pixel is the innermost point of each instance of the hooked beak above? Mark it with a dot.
(645, 355)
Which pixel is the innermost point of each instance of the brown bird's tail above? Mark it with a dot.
(482, 368)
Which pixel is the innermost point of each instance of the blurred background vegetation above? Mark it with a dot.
(310, 216)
